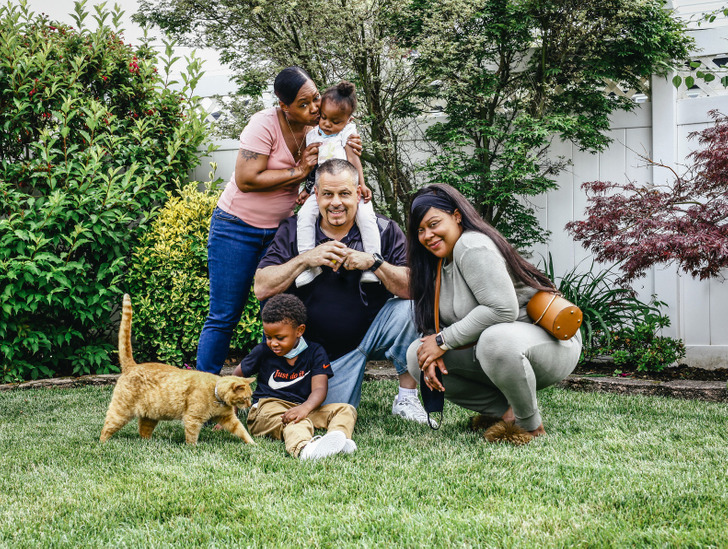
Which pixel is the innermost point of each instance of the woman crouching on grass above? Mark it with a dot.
(492, 358)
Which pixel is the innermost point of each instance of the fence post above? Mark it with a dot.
(664, 150)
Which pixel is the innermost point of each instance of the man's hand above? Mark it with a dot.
(274, 279)
(329, 254)
(357, 261)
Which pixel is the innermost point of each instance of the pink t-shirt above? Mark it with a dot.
(264, 210)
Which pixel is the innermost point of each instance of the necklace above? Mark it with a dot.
(298, 150)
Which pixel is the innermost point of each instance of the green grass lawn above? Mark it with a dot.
(614, 471)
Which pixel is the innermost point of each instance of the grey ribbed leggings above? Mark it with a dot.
(510, 362)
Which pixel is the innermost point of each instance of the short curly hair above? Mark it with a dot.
(284, 308)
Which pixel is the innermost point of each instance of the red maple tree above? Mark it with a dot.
(683, 222)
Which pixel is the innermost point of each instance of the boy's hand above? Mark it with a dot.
(302, 196)
(295, 414)
(366, 193)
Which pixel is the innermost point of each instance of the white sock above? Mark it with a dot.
(404, 393)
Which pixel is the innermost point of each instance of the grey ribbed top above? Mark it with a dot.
(478, 291)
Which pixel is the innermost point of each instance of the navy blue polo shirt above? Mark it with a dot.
(340, 308)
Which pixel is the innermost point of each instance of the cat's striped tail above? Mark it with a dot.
(125, 356)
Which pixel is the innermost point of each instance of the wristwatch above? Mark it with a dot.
(378, 260)
(441, 342)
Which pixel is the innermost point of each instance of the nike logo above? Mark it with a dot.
(273, 384)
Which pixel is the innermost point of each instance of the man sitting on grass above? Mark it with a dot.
(293, 379)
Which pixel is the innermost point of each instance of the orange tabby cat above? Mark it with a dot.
(154, 392)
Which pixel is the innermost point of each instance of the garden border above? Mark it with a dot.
(709, 391)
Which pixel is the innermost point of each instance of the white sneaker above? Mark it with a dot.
(307, 276)
(349, 447)
(411, 409)
(324, 446)
(368, 276)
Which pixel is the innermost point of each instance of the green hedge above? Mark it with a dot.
(169, 286)
(91, 138)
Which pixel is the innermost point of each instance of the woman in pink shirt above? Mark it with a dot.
(273, 160)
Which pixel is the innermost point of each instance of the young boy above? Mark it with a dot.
(292, 383)
(335, 127)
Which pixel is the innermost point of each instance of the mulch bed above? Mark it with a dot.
(673, 373)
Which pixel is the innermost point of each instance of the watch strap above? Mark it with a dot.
(378, 260)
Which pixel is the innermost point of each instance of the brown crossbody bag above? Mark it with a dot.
(550, 310)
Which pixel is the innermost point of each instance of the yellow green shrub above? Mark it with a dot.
(169, 286)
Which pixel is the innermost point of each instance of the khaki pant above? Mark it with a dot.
(265, 420)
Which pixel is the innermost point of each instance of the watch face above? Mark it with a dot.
(438, 340)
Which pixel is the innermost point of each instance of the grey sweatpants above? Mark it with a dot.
(511, 361)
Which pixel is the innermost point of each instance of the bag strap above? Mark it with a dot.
(438, 280)
(437, 296)
(553, 297)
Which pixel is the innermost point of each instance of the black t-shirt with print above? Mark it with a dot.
(278, 379)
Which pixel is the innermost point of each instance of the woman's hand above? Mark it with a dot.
(309, 158)
(429, 355)
(428, 351)
(430, 374)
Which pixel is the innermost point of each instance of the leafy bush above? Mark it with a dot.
(641, 348)
(169, 286)
(91, 139)
(682, 222)
(616, 322)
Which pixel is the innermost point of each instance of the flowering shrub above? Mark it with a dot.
(91, 141)
(169, 286)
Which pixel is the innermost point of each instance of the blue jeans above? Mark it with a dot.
(234, 250)
(388, 338)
